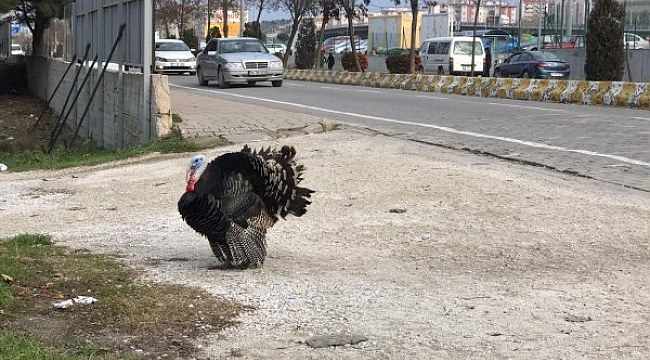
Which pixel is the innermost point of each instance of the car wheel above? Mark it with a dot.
(525, 74)
(496, 74)
(199, 76)
(252, 82)
(222, 81)
(276, 83)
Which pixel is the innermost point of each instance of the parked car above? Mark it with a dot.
(533, 64)
(276, 48)
(452, 55)
(239, 60)
(360, 46)
(633, 41)
(17, 50)
(174, 56)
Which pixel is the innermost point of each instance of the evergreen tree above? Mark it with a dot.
(605, 57)
(306, 45)
(190, 39)
(214, 32)
(252, 29)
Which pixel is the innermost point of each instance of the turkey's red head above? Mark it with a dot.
(195, 169)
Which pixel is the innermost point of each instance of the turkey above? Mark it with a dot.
(236, 197)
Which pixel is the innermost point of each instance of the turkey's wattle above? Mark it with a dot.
(236, 197)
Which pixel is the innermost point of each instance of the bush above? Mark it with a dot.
(399, 64)
(347, 61)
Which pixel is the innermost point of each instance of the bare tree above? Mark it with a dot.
(297, 9)
(354, 10)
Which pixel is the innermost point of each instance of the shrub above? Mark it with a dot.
(347, 61)
(399, 64)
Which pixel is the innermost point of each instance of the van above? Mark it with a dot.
(452, 55)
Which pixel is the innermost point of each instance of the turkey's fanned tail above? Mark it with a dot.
(281, 176)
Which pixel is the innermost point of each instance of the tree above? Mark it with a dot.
(189, 37)
(253, 30)
(305, 45)
(214, 32)
(330, 11)
(283, 37)
(297, 10)
(605, 56)
(354, 10)
(414, 28)
(37, 14)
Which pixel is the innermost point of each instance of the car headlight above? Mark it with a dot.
(160, 59)
(234, 65)
(276, 64)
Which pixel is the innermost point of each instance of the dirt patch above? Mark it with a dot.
(484, 259)
(18, 117)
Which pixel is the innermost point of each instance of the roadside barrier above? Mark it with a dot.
(608, 93)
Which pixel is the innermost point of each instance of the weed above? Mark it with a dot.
(129, 314)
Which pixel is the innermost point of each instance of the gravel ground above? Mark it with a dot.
(429, 253)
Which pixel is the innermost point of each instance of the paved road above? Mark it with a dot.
(607, 144)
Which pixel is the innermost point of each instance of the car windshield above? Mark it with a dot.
(171, 46)
(237, 46)
(465, 47)
(546, 56)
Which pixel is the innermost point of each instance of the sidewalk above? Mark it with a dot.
(206, 118)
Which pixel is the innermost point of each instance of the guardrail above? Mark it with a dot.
(608, 93)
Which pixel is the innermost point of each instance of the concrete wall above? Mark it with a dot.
(114, 117)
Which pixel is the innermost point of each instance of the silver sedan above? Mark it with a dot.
(238, 61)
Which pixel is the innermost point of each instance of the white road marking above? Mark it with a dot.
(640, 118)
(356, 90)
(436, 127)
(431, 97)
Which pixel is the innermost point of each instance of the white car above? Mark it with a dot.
(17, 50)
(174, 56)
(633, 41)
(276, 48)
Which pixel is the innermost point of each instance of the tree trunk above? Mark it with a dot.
(414, 29)
(352, 42)
(294, 31)
(225, 19)
(259, 13)
(319, 54)
(207, 34)
(478, 6)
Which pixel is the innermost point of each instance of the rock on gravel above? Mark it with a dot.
(482, 247)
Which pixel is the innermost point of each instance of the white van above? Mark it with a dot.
(452, 55)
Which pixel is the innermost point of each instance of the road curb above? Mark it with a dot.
(607, 93)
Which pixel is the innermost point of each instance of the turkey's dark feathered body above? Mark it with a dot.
(239, 196)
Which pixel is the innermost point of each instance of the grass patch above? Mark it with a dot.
(89, 154)
(176, 118)
(130, 318)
